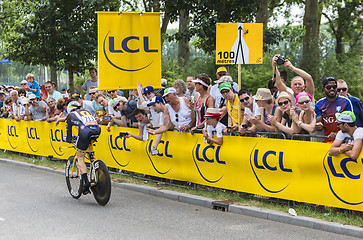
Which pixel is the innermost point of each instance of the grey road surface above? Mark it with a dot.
(35, 204)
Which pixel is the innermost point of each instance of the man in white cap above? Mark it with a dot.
(121, 105)
(35, 110)
(178, 113)
(349, 139)
(18, 112)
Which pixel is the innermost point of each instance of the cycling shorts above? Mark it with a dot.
(84, 135)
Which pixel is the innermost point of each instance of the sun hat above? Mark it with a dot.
(154, 100)
(169, 90)
(263, 94)
(200, 81)
(223, 86)
(284, 95)
(346, 117)
(213, 113)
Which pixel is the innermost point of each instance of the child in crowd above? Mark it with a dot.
(214, 127)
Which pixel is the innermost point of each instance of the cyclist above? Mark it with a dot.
(88, 129)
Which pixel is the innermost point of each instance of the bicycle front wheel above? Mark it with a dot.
(102, 189)
(73, 178)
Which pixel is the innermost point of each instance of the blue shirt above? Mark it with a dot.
(35, 85)
(327, 110)
(357, 109)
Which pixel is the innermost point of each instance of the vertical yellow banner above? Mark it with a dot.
(129, 49)
(239, 43)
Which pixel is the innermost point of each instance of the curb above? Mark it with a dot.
(301, 221)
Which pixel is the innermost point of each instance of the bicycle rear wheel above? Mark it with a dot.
(73, 178)
(102, 189)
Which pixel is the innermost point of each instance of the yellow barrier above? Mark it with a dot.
(294, 170)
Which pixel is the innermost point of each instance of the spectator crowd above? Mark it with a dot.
(200, 104)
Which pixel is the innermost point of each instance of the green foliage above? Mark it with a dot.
(54, 32)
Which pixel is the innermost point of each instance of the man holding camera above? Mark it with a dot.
(297, 82)
(35, 110)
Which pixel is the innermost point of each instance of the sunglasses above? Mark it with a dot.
(111, 91)
(302, 102)
(23, 83)
(244, 99)
(222, 74)
(176, 117)
(116, 106)
(283, 103)
(339, 123)
(328, 87)
(91, 93)
(224, 91)
(341, 89)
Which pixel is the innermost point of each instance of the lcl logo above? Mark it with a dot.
(269, 165)
(117, 144)
(344, 178)
(208, 162)
(139, 43)
(32, 136)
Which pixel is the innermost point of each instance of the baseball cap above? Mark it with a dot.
(224, 79)
(346, 117)
(32, 96)
(117, 100)
(148, 89)
(221, 69)
(169, 90)
(329, 79)
(225, 85)
(154, 100)
(76, 95)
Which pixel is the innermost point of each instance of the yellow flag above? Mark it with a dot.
(129, 50)
(239, 43)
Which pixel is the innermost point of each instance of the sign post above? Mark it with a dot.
(239, 43)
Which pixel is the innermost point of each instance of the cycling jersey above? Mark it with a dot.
(87, 126)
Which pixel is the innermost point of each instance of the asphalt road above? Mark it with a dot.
(35, 204)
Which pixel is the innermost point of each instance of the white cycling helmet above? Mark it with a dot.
(74, 105)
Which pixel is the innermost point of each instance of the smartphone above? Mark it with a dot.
(106, 118)
(123, 134)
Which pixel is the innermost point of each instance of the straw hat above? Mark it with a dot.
(284, 95)
(263, 94)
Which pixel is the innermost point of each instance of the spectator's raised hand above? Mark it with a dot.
(272, 119)
(319, 126)
(288, 64)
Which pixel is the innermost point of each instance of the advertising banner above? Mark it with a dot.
(239, 43)
(129, 49)
(286, 169)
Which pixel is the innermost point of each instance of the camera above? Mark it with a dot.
(106, 118)
(280, 60)
(244, 126)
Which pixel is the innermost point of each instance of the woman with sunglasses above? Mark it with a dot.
(263, 99)
(284, 102)
(203, 101)
(304, 123)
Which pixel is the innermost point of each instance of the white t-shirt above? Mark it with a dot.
(218, 130)
(358, 134)
(155, 118)
(56, 95)
(256, 109)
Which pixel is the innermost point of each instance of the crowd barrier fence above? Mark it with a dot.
(292, 170)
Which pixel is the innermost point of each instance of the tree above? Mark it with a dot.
(60, 33)
(311, 52)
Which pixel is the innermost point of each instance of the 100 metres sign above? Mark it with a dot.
(239, 43)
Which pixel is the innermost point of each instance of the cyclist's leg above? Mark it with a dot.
(82, 145)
